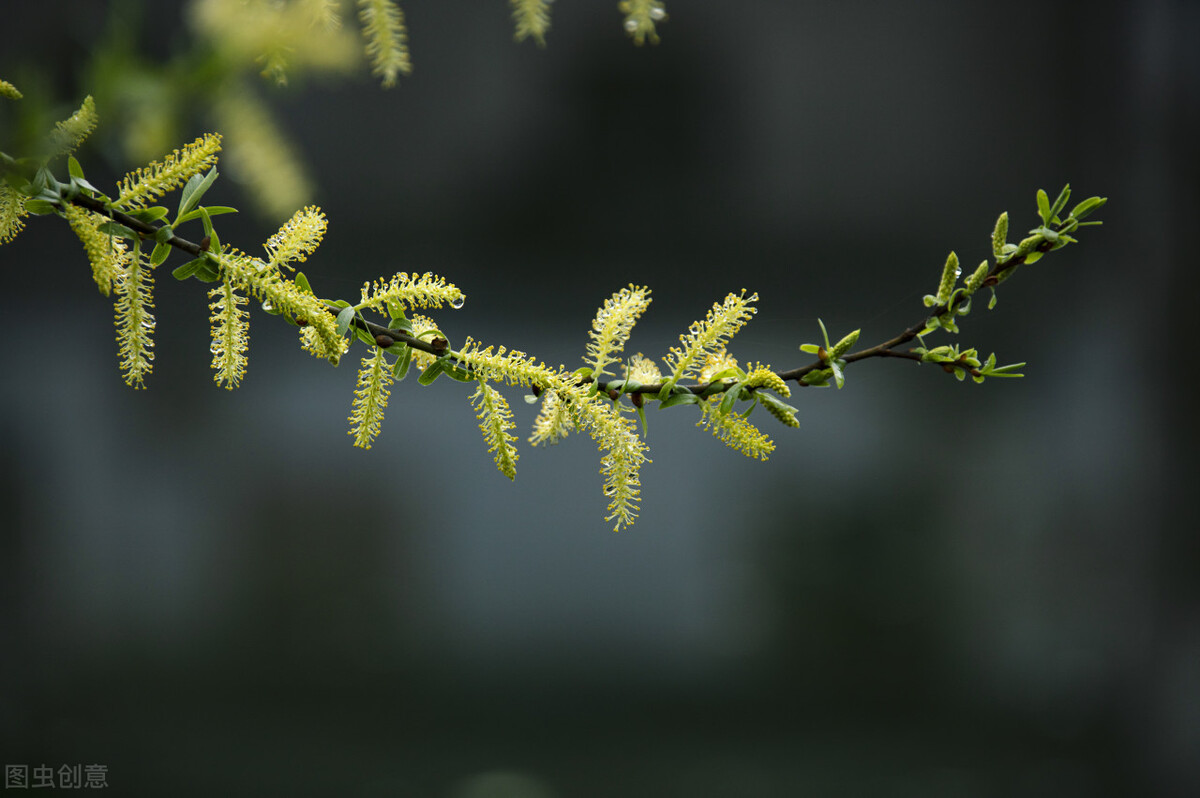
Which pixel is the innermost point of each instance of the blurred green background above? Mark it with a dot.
(931, 589)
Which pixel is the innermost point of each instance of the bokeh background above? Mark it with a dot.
(932, 588)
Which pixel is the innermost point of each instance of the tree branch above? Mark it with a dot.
(385, 337)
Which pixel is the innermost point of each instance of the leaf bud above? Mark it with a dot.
(950, 274)
(976, 279)
(1000, 235)
(384, 341)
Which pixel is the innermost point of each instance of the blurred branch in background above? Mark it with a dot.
(154, 78)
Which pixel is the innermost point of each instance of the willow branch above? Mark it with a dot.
(385, 337)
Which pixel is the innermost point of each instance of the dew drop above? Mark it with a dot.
(148, 324)
(631, 25)
(657, 14)
(458, 301)
(267, 306)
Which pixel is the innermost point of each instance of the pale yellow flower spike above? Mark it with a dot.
(387, 41)
(613, 323)
(516, 368)
(297, 239)
(230, 334)
(261, 154)
(143, 185)
(426, 291)
(135, 323)
(107, 254)
(324, 13)
(715, 363)
(624, 455)
(312, 342)
(281, 37)
(763, 377)
(734, 430)
(640, 368)
(553, 422)
(10, 91)
(421, 324)
(12, 213)
(370, 398)
(711, 335)
(495, 422)
(532, 18)
(72, 131)
(269, 286)
(640, 19)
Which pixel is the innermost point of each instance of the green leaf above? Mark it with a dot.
(160, 253)
(818, 378)
(74, 168)
(208, 272)
(400, 370)
(1061, 201)
(1043, 203)
(40, 207)
(214, 240)
(992, 301)
(343, 320)
(732, 371)
(431, 373)
(824, 334)
(1086, 207)
(730, 397)
(193, 191)
(1005, 371)
(401, 324)
(396, 309)
(812, 349)
(364, 336)
(163, 234)
(685, 398)
(149, 215)
(455, 373)
(188, 269)
(82, 183)
(839, 378)
(302, 283)
(113, 229)
(211, 210)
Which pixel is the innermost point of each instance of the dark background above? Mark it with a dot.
(932, 588)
